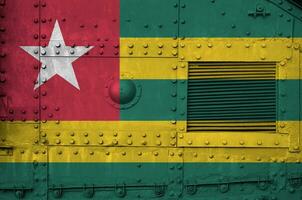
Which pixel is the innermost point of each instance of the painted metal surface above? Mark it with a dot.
(125, 132)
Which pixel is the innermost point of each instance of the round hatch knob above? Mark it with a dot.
(122, 91)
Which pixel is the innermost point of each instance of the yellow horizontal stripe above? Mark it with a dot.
(141, 133)
(148, 68)
(22, 142)
(166, 52)
(288, 135)
(147, 154)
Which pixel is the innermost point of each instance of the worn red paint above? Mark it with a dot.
(94, 23)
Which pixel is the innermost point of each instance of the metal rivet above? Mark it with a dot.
(160, 45)
(101, 141)
(282, 125)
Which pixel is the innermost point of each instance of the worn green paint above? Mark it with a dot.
(289, 100)
(209, 18)
(157, 101)
(210, 180)
(149, 18)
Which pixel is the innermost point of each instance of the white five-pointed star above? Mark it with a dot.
(56, 58)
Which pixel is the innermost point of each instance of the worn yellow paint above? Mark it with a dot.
(240, 155)
(17, 133)
(287, 136)
(282, 51)
(148, 155)
(143, 133)
(109, 126)
(25, 153)
(149, 47)
(148, 68)
(100, 133)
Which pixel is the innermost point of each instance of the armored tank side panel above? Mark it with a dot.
(150, 99)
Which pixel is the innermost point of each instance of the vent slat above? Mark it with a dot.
(221, 95)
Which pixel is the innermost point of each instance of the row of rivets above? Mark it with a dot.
(224, 142)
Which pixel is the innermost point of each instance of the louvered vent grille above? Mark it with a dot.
(231, 97)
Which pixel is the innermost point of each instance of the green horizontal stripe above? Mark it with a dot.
(156, 101)
(210, 18)
(259, 100)
(151, 180)
(149, 18)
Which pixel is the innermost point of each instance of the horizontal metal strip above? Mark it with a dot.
(231, 104)
(234, 124)
(253, 128)
(260, 118)
(230, 82)
(231, 64)
(228, 73)
(235, 68)
(236, 88)
(231, 96)
(111, 156)
(230, 112)
(231, 123)
(226, 99)
(268, 92)
(251, 77)
(231, 86)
